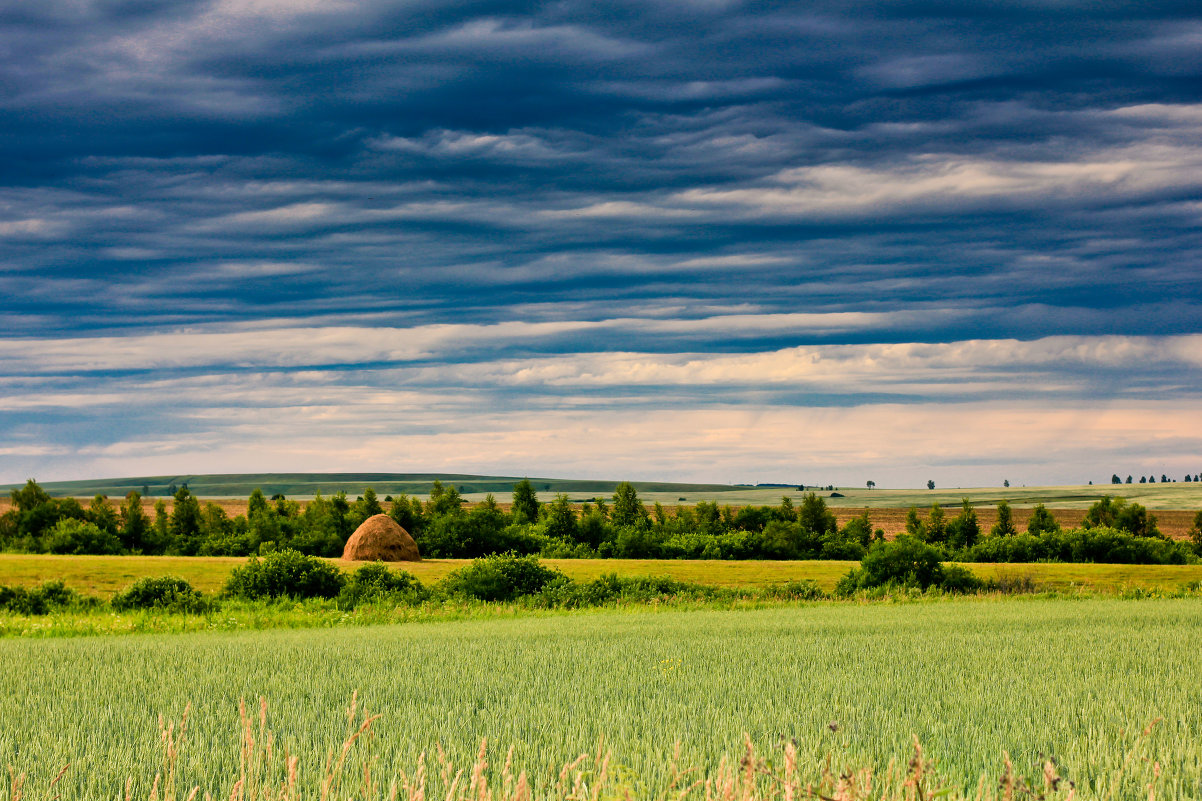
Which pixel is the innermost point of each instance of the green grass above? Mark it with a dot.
(106, 575)
(305, 485)
(1070, 679)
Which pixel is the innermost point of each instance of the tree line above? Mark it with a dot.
(619, 527)
(1164, 479)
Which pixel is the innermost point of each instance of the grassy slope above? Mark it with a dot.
(304, 485)
(1071, 680)
(105, 575)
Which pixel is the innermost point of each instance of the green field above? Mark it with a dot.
(105, 575)
(305, 485)
(1152, 496)
(474, 489)
(1069, 679)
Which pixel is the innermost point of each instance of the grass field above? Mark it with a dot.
(1069, 679)
(105, 575)
(301, 486)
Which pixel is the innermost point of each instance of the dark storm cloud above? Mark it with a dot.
(671, 180)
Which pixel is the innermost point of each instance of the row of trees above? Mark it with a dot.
(622, 526)
(1164, 479)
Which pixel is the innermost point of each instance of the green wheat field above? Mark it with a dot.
(1070, 680)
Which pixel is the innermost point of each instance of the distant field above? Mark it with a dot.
(304, 485)
(105, 575)
(1154, 496)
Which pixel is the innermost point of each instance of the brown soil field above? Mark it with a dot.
(1175, 523)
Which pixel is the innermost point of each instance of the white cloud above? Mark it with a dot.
(263, 345)
(941, 179)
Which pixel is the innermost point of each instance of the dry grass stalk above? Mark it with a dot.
(267, 773)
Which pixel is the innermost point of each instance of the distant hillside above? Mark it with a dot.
(301, 485)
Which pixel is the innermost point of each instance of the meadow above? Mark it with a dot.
(1069, 680)
(105, 575)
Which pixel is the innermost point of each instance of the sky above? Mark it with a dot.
(824, 243)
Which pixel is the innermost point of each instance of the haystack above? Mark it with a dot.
(380, 538)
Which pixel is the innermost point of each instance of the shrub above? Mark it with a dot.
(376, 583)
(166, 593)
(500, 577)
(959, 580)
(805, 590)
(72, 536)
(906, 562)
(41, 600)
(285, 574)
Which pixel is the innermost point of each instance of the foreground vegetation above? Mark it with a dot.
(104, 576)
(1070, 682)
(1111, 531)
(287, 589)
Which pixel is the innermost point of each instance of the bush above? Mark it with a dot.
(906, 562)
(165, 593)
(375, 583)
(1100, 544)
(500, 577)
(285, 574)
(42, 600)
(959, 580)
(805, 590)
(72, 536)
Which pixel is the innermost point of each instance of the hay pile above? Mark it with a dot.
(380, 538)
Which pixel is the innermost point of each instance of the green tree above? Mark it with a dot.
(561, 519)
(162, 526)
(135, 525)
(525, 502)
(256, 503)
(185, 525)
(1042, 521)
(1195, 533)
(786, 511)
(936, 529)
(628, 509)
(914, 526)
(444, 501)
(871, 485)
(364, 507)
(29, 497)
(1004, 527)
(370, 505)
(931, 484)
(102, 514)
(408, 514)
(964, 530)
(814, 517)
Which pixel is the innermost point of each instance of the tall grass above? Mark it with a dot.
(1038, 679)
(268, 772)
